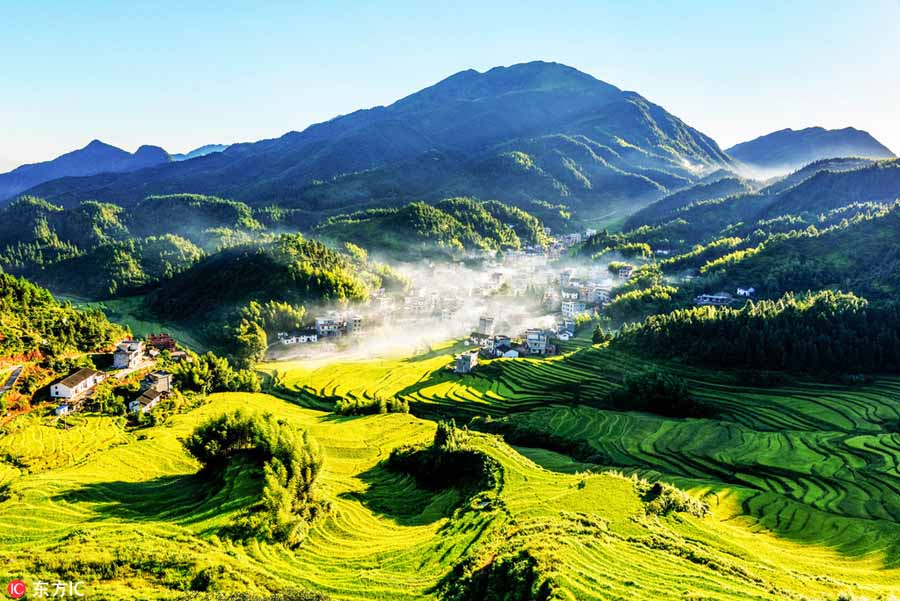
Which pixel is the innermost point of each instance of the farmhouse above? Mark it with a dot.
(719, 299)
(77, 385)
(305, 336)
(466, 362)
(625, 272)
(128, 354)
(149, 399)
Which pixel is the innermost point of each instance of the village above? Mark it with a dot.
(74, 392)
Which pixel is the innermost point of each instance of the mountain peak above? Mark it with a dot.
(788, 149)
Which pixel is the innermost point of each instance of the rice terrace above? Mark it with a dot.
(512, 333)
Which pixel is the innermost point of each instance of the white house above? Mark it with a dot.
(719, 299)
(746, 292)
(128, 354)
(564, 335)
(485, 325)
(77, 385)
(571, 308)
(625, 272)
(536, 339)
(149, 399)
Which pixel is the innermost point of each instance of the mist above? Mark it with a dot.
(445, 302)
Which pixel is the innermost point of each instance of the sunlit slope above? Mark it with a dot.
(130, 518)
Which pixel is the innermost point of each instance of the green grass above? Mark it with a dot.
(802, 482)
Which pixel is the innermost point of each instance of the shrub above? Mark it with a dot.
(656, 392)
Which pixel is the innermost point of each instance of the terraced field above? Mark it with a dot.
(810, 463)
(802, 481)
(134, 522)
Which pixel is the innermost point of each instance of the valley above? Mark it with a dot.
(520, 335)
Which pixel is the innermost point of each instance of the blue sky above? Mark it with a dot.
(182, 74)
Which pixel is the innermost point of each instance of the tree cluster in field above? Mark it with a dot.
(290, 461)
(526, 435)
(656, 392)
(509, 573)
(33, 324)
(373, 406)
(821, 332)
(210, 373)
(661, 498)
(447, 462)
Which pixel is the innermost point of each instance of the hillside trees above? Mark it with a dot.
(823, 331)
(290, 460)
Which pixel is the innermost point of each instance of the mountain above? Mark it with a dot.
(533, 131)
(199, 152)
(96, 157)
(788, 149)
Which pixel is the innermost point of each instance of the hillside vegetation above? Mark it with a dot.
(449, 227)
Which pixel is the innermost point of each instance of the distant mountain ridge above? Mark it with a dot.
(544, 131)
(96, 157)
(788, 149)
(199, 152)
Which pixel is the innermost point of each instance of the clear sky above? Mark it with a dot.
(180, 74)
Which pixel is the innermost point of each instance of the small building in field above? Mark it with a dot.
(746, 292)
(158, 380)
(77, 385)
(564, 336)
(466, 362)
(61, 410)
(149, 399)
(625, 272)
(719, 299)
(128, 354)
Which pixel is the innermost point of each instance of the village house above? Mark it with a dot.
(625, 272)
(536, 339)
(305, 336)
(128, 354)
(746, 292)
(76, 386)
(505, 350)
(569, 294)
(466, 362)
(564, 335)
(599, 295)
(354, 323)
(157, 380)
(161, 342)
(719, 299)
(149, 399)
(571, 308)
(328, 327)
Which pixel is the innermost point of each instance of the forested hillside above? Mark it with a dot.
(97, 250)
(33, 324)
(447, 227)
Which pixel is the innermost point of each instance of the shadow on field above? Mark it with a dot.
(397, 497)
(185, 500)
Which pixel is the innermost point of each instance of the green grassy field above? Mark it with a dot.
(802, 481)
